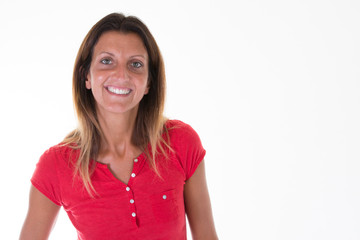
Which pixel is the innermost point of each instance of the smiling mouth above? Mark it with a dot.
(119, 91)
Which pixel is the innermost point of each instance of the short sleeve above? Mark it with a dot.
(45, 177)
(187, 145)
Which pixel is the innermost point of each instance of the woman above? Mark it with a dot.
(126, 172)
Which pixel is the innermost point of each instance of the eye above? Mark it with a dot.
(106, 61)
(136, 64)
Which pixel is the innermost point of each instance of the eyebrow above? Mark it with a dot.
(107, 53)
(142, 56)
(138, 55)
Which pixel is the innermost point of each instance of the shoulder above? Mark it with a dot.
(180, 130)
(183, 138)
(186, 144)
(58, 154)
(53, 161)
(52, 170)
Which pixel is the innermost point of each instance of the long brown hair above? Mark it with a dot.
(149, 123)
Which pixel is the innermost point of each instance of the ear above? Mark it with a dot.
(146, 90)
(147, 87)
(87, 82)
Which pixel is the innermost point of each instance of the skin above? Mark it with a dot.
(120, 61)
(198, 207)
(40, 218)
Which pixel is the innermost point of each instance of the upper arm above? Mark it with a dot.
(198, 207)
(40, 218)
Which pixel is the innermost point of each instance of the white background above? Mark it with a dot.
(272, 88)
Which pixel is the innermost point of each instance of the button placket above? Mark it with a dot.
(138, 164)
(132, 206)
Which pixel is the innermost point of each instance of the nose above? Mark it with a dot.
(120, 72)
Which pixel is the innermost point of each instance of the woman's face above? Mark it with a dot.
(118, 75)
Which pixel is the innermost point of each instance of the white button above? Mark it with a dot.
(164, 196)
(132, 201)
(133, 214)
(127, 189)
(133, 174)
(136, 160)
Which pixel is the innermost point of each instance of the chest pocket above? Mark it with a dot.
(165, 206)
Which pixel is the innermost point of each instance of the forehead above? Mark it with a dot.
(115, 41)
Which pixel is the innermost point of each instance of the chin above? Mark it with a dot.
(117, 109)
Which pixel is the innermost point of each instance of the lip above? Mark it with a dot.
(118, 91)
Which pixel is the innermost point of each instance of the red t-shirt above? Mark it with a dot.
(148, 207)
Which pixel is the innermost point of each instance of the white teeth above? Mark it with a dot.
(119, 91)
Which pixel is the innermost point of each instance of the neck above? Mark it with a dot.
(117, 132)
